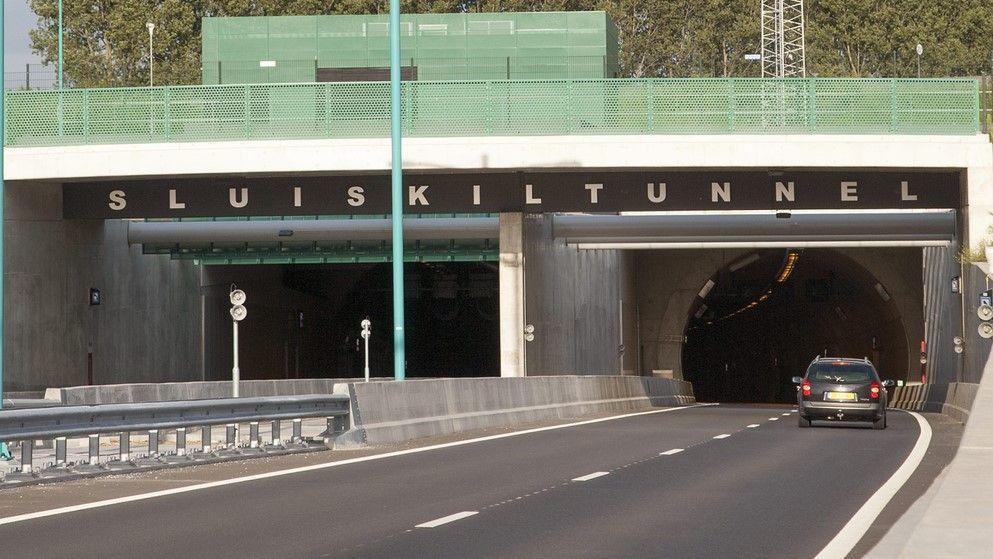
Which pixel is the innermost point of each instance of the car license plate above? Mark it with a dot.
(841, 396)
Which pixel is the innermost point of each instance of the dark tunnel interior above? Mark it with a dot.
(770, 312)
(304, 320)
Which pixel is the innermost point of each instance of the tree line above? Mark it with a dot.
(106, 42)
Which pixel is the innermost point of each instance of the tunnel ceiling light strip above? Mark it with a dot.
(754, 244)
(883, 294)
(788, 268)
(734, 267)
(706, 289)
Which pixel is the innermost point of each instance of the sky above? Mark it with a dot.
(18, 20)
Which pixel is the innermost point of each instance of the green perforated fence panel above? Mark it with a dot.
(494, 108)
(986, 103)
(545, 45)
(424, 68)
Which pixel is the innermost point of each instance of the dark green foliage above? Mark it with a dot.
(106, 43)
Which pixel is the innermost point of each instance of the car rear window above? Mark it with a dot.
(841, 373)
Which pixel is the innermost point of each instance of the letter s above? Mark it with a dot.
(117, 201)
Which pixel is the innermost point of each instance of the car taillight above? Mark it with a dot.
(874, 390)
(805, 386)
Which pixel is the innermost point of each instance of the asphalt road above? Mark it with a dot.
(768, 491)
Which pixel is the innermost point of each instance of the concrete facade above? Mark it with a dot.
(147, 327)
(582, 305)
(595, 312)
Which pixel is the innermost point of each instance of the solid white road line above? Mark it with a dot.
(671, 452)
(724, 436)
(853, 531)
(588, 477)
(753, 425)
(446, 519)
(291, 471)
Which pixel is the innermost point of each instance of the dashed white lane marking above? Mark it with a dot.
(588, 477)
(446, 519)
(787, 413)
(753, 425)
(724, 436)
(841, 545)
(314, 467)
(671, 452)
(773, 419)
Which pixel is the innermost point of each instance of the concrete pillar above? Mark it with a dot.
(511, 295)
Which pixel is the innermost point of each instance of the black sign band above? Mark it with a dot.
(513, 192)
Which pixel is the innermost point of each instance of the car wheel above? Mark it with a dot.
(803, 421)
(880, 423)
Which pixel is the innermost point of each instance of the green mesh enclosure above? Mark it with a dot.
(466, 46)
(494, 108)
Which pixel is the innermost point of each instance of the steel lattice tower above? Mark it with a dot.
(782, 39)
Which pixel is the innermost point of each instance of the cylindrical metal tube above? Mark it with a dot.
(181, 441)
(277, 432)
(125, 446)
(253, 434)
(153, 442)
(94, 449)
(297, 430)
(235, 371)
(60, 451)
(205, 439)
(27, 456)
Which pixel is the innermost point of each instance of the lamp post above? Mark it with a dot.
(238, 313)
(396, 135)
(920, 51)
(151, 54)
(4, 451)
(60, 45)
(2, 122)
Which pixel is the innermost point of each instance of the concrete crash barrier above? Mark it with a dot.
(390, 412)
(953, 399)
(171, 391)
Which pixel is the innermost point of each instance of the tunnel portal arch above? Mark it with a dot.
(671, 285)
(759, 320)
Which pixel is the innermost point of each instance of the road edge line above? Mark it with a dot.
(853, 531)
(314, 467)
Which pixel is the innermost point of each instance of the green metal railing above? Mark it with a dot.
(493, 108)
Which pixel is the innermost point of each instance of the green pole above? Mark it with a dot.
(3, 450)
(396, 135)
(60, 44)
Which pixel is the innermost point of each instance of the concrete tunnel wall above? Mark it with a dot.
(147, 328)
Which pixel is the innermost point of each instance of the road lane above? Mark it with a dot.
(521, 490)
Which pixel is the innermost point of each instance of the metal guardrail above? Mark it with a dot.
(493, 108)
(62, 423)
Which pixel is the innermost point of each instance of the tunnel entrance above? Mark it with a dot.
(762, 318)
(303, 320)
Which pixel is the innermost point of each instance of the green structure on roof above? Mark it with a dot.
(469, 46)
